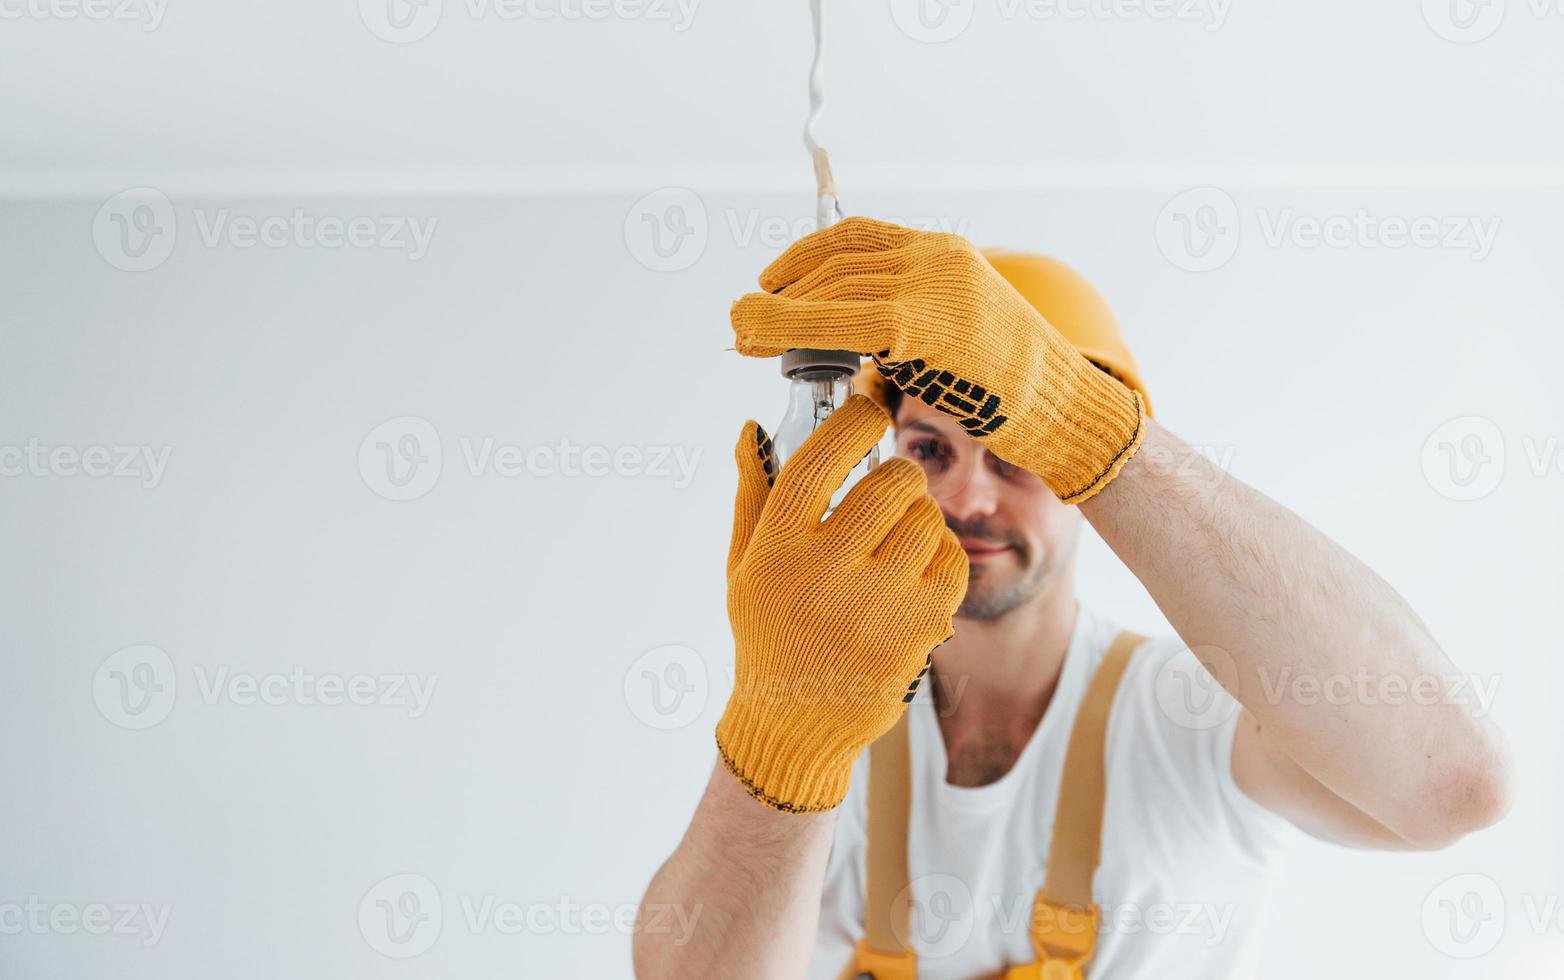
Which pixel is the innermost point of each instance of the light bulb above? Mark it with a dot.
(819, 382)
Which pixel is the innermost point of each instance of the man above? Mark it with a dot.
(1008, 437)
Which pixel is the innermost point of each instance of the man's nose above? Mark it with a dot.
(974, 493)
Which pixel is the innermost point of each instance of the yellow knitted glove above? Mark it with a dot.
(945, 328)
(833, 620)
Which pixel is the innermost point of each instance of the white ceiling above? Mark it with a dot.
(302, 94)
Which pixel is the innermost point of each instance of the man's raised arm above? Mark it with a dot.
(741, 894)
(833, 623)
(1358, 728)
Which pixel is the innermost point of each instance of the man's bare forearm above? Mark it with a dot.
(748, 879)
(1274, 609)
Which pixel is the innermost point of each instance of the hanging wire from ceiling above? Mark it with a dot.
(828, 209)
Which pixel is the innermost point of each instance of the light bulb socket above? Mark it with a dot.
(801, 359)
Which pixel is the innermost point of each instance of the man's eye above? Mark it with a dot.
(930, 453)
(1002, 469)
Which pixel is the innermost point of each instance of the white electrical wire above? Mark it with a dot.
(827, 210)
(816, 79)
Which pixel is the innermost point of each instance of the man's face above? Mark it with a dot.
(1016, 533)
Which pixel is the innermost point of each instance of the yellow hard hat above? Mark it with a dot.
(1066, 300)
(1074, 307)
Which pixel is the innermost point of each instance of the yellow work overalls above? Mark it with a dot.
(1064, 919)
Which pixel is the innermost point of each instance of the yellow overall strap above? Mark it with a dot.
(884, 952)
(1064, 920)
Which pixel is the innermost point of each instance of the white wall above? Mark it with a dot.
(532, 777)
(539, 155)
(485, 93)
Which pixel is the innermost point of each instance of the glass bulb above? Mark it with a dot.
(813, 394)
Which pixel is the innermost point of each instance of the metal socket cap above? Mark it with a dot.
(809, 359)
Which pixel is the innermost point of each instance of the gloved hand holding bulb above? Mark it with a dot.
(819, 383)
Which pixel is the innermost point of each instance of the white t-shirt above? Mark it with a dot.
(1186, 856)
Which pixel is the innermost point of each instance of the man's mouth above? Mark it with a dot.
(978, 550)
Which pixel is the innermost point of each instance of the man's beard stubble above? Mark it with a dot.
(992, 592)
